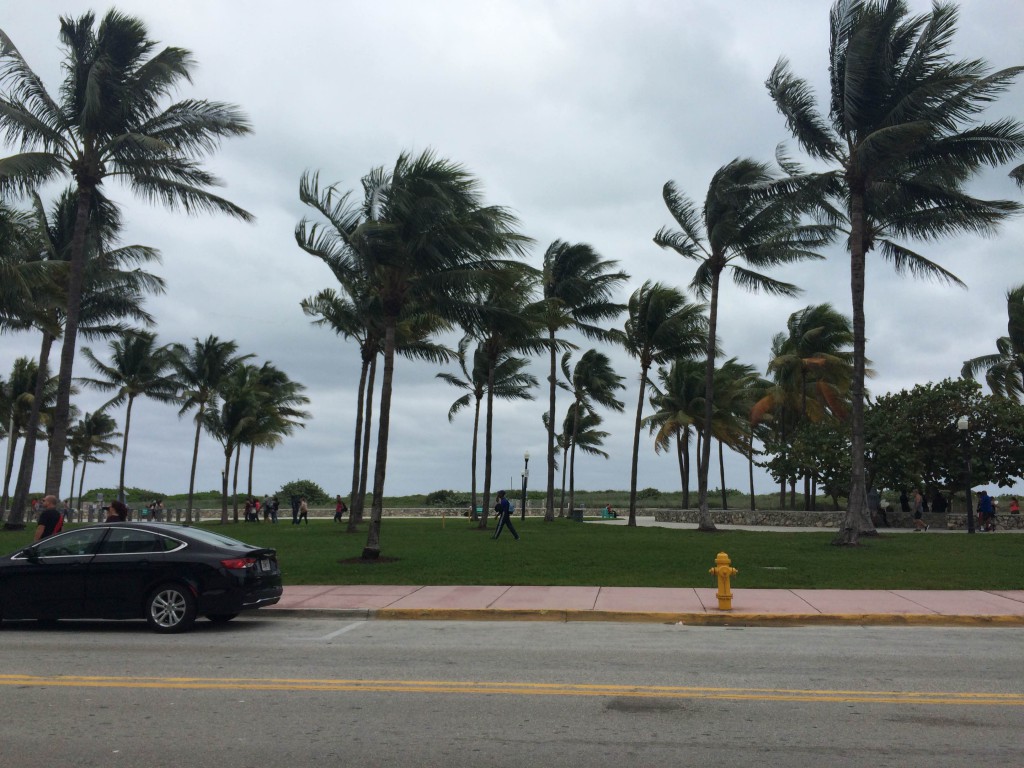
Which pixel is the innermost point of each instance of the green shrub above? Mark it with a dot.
(314, 493)
(648, 493)
(445, 499)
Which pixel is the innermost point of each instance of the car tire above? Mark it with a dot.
(221, 618)
(170, 608)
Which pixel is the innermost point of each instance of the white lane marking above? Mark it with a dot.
(343, 630)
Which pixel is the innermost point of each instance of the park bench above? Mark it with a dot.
(606, 515)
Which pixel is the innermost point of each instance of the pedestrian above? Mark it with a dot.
(50, 520)
(267, 508)
(939, 503)
(65, 510)
(248, 510)
(117, 512)
(875, 506)
(294, 499)
(1014, 506)
(274, 506)
(985, 522)
(303, 512)
(919, 523)
(339, 508)
(504, 511)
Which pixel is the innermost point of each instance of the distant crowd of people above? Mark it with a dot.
(919, 504)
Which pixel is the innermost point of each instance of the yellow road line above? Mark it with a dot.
(962, 698)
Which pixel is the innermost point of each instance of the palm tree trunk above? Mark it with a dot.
(228, 450)
(356, 444)
(81, 485)
(682, 466)
(364, 468)
(22, 488)
(549, 509)
(856, 519)
(76, 280)
(12, 442)
(252, 459)
(195, 461)
(750, 470)
(488, 442)
(476, 447)
(234, 482)
(704, 514)
(686, 464)
(721, 472)
(572, 454)
(124, 448)
(636, 446)
(74, 472)
(565, 469)
(371, 551)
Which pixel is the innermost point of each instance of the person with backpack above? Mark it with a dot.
(339, 508)
(50, 520)
(504, 512)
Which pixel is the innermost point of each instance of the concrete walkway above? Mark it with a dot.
(647, 604)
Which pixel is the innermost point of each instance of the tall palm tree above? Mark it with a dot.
(734, 396)
(90, 438)
(1004, 371)
(109, 122)
(678, 404)
(430, 243)
(902, 142)
(16, 401)
(592, 382)
(113, 291)
(200, 371)
(579, 287)
(662, 325)
(231, 421)
(511, 382)
(137, 368)
(580, 430)
(750, 221)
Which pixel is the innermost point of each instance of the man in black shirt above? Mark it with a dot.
(49, 519)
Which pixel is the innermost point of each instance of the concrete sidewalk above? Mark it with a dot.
(763, 607)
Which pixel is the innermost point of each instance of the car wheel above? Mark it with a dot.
(221, 618)
(170, 608)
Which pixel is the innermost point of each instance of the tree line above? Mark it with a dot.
(418, 253)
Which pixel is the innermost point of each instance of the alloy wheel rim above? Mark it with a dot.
(168, 608)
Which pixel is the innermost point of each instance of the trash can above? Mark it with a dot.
(576, 515)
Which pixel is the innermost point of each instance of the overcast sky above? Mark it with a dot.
(574, 115)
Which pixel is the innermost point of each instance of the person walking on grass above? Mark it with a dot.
(919, 523)
(504, 511)
(303, 512)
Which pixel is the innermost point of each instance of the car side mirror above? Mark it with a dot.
(31, 554)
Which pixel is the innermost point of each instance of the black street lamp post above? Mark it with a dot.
(526, 476)
(963, 424)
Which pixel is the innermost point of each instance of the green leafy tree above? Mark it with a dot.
(750, 222)
(901, 142)
(110, 122)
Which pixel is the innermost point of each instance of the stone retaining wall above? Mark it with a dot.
(826, 519)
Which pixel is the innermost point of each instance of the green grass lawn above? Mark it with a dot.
(565, 553)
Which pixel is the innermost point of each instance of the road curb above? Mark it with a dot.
(651, 617)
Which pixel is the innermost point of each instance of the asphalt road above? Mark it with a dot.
(298, 692)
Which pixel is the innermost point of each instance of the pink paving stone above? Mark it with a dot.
(306, 590)
(966, 603)
(859, 602)
(653, 599)
(394, 590)
(548, 599)
(452, 598)
(780, 601)
(1017, 594)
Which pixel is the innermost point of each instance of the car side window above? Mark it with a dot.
(130, 541)
(71, 544)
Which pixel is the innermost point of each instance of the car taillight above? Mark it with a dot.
(238, 563)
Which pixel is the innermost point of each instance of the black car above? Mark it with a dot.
(167, 574)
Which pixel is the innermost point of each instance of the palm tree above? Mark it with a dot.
(89, 439)
(814, 360)
(16, 400)
(580, 430)
(138, 367)
(902, 142)
(592, 382)
(749, 216)
(278, 412)
(109, 123)
(678, 410)
(662, 325)
(735, 384)
(231, 420)
(578, 289)
(511, 382)
(200, 371)
(1004, 371)
(430, 243)
(114, 287)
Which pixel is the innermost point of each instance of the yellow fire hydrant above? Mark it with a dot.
(724, 571)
